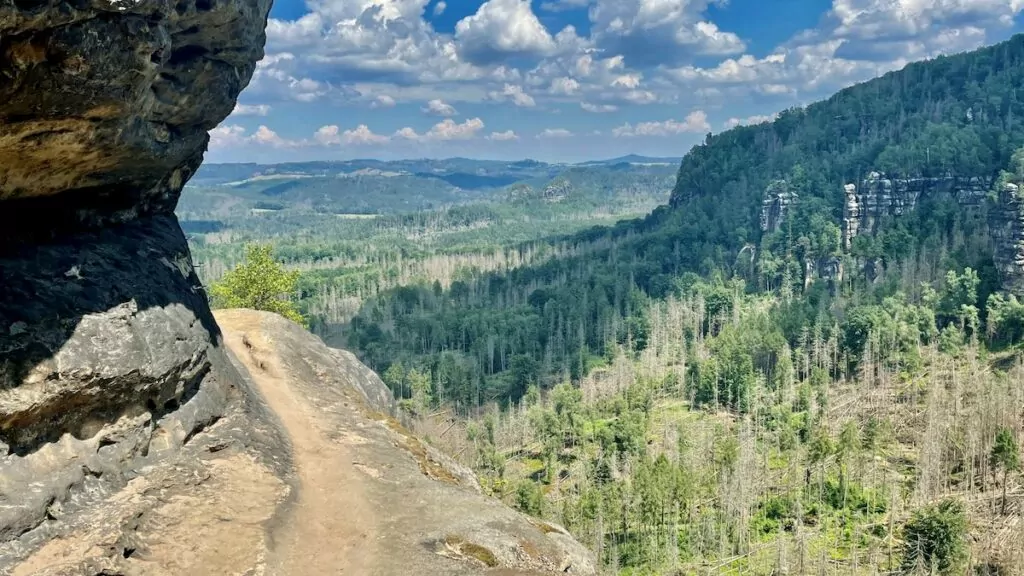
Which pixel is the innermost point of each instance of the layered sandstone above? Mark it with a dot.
(878, 196)
(1006, 223)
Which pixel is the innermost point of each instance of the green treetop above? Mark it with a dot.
(259, 283)
(1006, 455)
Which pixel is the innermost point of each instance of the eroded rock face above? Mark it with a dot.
(108, 351)
(105, 105)
(1006, 222)
(777, 200)
(851, 215)
(879, 196)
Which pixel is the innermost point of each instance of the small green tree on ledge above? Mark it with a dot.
(1005, 455)
(259, 283)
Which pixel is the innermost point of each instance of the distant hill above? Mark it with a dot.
(636, 159)
(493, 173)
(461, 172)
(370, 186)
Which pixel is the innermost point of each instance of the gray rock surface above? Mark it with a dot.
(109, 361)
(1006, 223)
(401, 506)
(775, 206)
(105, 104)
(878, 196)
(104, 362)
(113, 393)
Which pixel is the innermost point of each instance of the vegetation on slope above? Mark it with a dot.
(685, 397)
(824, 411)
(959, 114)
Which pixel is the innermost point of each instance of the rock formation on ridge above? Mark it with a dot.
(879, 196)
(1006, 222)
(777, 200)
(131, 440)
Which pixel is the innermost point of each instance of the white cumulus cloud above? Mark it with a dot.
(749, 120)
(505, 136)
(332, 135)
(554, 133)
(651, 32)
(226, 136)
(251, 110)
(438, 107)
(564, 85)
(515, 94)
(500, 28)
(598, 108)
(229, 136)
(695, 122)
(382, 101)
(445, 130)
(268, 137)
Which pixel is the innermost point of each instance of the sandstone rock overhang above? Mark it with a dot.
(109, 355)
(105, 105)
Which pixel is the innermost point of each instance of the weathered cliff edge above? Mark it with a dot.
(379, 501)
(130, 440)
(307, 473)
(109, 359)
(879, 197)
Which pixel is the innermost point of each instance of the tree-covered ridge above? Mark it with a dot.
(960, 114)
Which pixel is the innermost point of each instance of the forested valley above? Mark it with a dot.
(809, 361)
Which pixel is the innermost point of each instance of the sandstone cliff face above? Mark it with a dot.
(777, 200)
(132, 441)
(1006, 222)
(879, 196)
(105, 104)
(108, 356)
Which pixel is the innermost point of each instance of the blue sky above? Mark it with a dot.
(567, 80)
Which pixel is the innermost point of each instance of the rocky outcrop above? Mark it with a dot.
(109, 362)
(777, 200)
(851, 215)
(879, 196)
(105, 104)
(1006, 224)
(309, 474)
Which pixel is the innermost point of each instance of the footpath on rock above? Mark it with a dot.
(309, 475)
(370, 498)
(329, 529)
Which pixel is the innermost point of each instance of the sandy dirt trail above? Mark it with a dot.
(330, 527)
